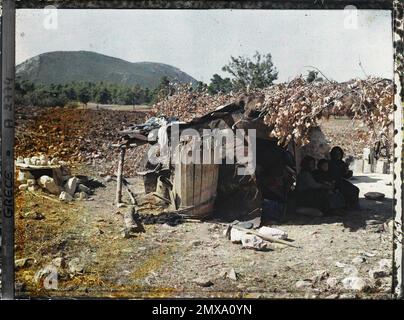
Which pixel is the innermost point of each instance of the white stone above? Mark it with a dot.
(236, 235)
(108, 179)
(23, 187)
(232, 274)
(250, 241)
(332, 282)
(44, 272)
(351, 270)
(31, 182)
(303, 284)
(80, 196)
(383, 270)
(23, 176)
(27, 161)
(273, 232)
(58, 262)
(54, 161)
(354, 283)
(20, 160)
(358, 260)
(33, 188)
(49, 184)
(64, 196)
(70, 186)
(385, 264)
(75, 266)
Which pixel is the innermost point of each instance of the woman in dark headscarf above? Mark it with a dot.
(311, 193)
(339, 172)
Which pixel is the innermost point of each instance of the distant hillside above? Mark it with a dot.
(62, 67)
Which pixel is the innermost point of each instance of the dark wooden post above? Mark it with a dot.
(118, 199)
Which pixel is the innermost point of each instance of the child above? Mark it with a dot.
(322, 175)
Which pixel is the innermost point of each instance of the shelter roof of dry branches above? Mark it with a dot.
(291, 109)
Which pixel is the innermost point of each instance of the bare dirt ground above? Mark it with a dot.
(164, 261)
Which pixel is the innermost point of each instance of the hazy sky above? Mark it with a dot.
(200, 42)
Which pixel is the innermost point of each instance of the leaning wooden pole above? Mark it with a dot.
(119, 179)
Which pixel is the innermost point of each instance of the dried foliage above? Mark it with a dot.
(291, 109)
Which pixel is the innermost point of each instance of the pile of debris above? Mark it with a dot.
(54, 177)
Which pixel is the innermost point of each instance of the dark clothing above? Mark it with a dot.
(313, 198)
(310, 193)
(322, 176)
(338, 170)
(339, 173)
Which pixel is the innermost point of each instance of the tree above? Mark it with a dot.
(218, 84)
(103, 96)
(84, 94)
(258, 72)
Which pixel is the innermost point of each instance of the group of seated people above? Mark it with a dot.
(326, 188)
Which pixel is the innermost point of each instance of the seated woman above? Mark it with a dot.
(309, 192)
(322, 175)
(339, 172)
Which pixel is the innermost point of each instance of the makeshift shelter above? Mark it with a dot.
(284, 122)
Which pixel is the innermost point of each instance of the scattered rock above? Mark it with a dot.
(250, 241)
(355, 283)
(273, 232)
(369, 254)
(75, 266)
(64, 196)
(232, 274)
(333, 296)
(70, 186)
(23, 187)
(33, 188)
(59, 262)
(303, 284)
(108, 179)
(25, 262)
(80, 196)
(321, 275)
(54, 161)
(332, 282)
(236, 235)
(203, 282)
(351, 270)
(358, 260)
(121, 205)
(245, 224)
(383, 270)
(49, 184)
(340, 264)
(23, 176)
(43, 273)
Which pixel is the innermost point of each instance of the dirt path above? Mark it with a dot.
(164, 261)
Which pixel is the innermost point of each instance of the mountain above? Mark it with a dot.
(61, 67)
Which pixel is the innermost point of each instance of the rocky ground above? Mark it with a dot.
(79, 249)
(84, 241)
